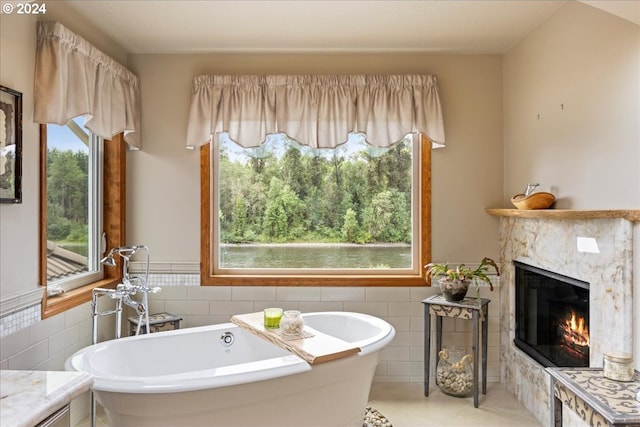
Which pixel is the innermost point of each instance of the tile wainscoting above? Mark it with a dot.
(402, 360)
(45, 344)
(20, 319)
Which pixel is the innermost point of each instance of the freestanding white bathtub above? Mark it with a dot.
(197, 377)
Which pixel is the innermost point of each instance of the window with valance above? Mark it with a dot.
(271, 144)
(315, 110)
(73, 78)
(88, 107)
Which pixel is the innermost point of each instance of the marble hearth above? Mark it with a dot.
(550, 243)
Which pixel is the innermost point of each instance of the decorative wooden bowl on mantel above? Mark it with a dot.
(539, 200)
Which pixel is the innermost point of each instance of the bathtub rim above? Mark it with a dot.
(260, 370)
(266, 369)
(370, 344)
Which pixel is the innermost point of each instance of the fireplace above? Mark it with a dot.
(552, 317)
(547, 239)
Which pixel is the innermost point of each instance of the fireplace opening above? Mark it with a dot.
(552, 317)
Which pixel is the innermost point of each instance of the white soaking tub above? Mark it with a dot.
(222, 375)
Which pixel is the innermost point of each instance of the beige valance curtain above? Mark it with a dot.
(315, 110)
(74, 78)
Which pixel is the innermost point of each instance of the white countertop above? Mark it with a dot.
(29, 397)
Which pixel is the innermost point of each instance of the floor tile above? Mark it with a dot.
(405, 406)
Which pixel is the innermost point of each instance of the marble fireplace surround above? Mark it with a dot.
(548, 240)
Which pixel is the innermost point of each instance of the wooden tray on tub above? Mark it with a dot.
(314, 347)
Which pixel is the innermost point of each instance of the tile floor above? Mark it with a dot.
(405, 406)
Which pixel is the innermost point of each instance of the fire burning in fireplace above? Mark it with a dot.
(552, 317)
(575, 333)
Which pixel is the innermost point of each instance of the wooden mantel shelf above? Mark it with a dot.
(632, 215)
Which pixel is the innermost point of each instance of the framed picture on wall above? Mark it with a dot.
(10, 145)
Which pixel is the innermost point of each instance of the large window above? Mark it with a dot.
(283, 213)
(82, 211)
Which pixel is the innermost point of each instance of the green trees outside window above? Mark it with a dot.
(67, 197)
(282, 192)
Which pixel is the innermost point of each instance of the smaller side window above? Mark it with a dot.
(74, 206)
(82, 196)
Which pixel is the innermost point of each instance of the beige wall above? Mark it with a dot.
(163, 199)
(19, 222)
(589, 152)
(46, 344)
(66, 15)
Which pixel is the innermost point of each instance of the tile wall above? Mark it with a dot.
(28, 343)
(402, 307)
(46, 344)
(21, 319)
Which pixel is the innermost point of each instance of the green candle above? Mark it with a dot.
(272, 317)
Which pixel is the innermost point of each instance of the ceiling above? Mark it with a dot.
(480, 26)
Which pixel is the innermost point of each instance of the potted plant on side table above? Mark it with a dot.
(454, 283)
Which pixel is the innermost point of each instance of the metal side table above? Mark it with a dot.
(157, 322)
(475, 309)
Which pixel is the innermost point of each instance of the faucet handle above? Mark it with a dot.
(154, 290)
(112, 293)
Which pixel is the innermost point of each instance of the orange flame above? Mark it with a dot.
(576, 331)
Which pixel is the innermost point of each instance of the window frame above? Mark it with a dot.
(113, 220)
(95, 272)
(209, 278)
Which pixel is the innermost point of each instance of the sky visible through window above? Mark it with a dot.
(63, 139)
(277, 144)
